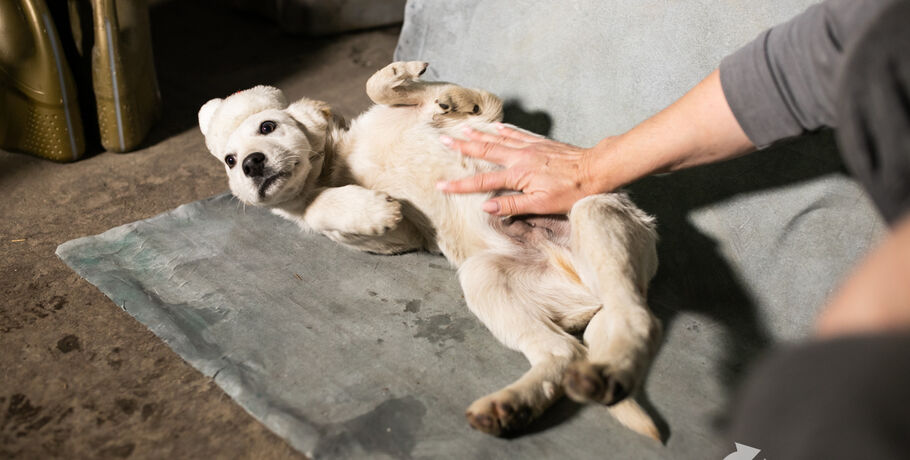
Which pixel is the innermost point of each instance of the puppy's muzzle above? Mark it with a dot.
(254, 165)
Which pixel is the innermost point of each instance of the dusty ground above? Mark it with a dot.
(79, 378)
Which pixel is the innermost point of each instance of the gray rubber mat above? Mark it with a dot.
(344, 354)
(352, 355)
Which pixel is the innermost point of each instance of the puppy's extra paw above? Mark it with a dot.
(588, 382)
(500, 413)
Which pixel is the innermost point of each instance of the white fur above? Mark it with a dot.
(371, 186)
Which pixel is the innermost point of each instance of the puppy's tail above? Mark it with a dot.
(630, 414)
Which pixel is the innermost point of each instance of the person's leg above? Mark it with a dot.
(837, 399)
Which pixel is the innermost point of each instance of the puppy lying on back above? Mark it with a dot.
(532, 281)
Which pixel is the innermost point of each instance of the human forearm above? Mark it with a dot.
(698, 128)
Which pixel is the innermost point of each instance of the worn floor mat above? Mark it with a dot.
(352, 355)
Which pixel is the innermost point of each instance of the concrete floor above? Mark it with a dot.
(79, 378)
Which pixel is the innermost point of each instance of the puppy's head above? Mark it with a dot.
(269, 148)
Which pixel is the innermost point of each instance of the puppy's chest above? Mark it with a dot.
(405, 165)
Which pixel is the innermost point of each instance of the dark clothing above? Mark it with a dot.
(838, 399)
(873, 111)
(784, 83)
(842, 64)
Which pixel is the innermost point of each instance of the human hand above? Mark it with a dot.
(551, 175)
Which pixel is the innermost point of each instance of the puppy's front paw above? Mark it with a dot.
(500, 413)
(381, 213)
(588, 382)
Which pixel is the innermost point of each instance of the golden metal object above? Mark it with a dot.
(39, 110)
(123, 73)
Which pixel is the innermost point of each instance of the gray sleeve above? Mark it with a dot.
(782, 84)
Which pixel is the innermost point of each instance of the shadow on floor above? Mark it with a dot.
(539, 122)
(693, 275)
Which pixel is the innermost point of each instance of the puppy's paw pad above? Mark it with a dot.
(587, 382)
(459, 101)
(499, 414)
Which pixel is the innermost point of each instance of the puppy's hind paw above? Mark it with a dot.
(400, 72)
(499, 414)
(588, 382)
(458, 101)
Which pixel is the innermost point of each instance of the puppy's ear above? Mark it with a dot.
(206, 112)
(314, 116)
(311, 113)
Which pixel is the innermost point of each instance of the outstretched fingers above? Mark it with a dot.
(486, 182)
(494, 150)
(518, 134)
(527, 158)
(511, 205)
(513, 142)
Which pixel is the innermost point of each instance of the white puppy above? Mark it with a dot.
(532, 281)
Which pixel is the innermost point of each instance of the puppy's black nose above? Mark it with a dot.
(254, 164)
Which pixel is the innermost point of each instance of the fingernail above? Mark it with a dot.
(442, 185)
(491, 207)
(446, 140)
(467, 130)
(498, 125)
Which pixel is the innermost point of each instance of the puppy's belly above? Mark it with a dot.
(532, 231)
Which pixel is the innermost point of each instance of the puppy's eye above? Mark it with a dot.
(267, 126)
(230, 160)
